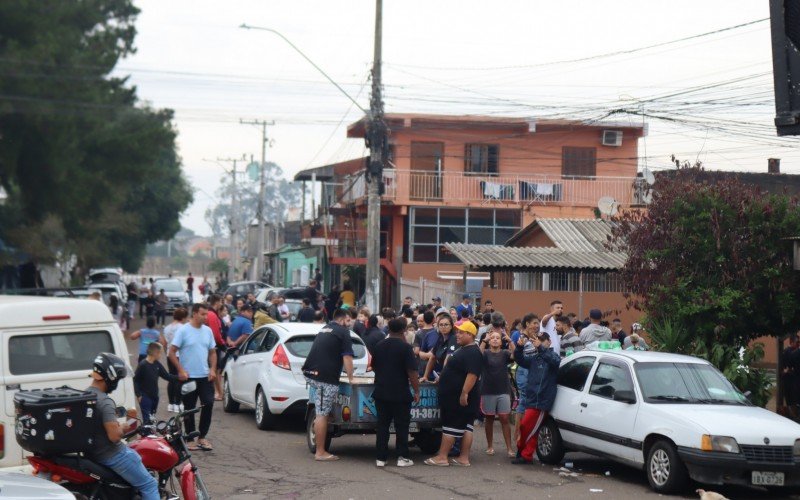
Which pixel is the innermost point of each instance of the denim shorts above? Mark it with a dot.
(324, 396)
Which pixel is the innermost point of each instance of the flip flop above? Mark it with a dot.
(205, 447)
(511, 454)
(328, 458)
(490, 451)
(430, 461)
(193, 447)
(455, 462)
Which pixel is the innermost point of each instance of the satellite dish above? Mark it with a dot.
(608, 205)
(648, 176)
(647, 197)
(253, 170)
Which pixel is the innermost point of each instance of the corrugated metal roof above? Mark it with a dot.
(577, 235)
(497, 257)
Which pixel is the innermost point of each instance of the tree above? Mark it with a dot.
(280, 194)
(709, 253)
(78, 151)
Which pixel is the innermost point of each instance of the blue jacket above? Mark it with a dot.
(540, 392)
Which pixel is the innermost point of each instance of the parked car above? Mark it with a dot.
(242, 288)
(265, 373)
(21, 486)
(265, 295)
(106, 290)
(109, 275)
(173, 288)
(677, 417)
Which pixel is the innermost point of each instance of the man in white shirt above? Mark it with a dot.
(549, 325)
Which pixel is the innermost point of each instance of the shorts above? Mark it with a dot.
(496, 404)
(456, 419)
(324, 396)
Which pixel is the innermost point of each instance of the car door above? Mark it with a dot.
(610, 406)
(567, 410)
(240, 385)
(258, 360)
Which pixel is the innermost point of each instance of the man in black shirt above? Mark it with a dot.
(373, 334)
(306, 313)
(395, 367)
(332, 349)
(459, 397)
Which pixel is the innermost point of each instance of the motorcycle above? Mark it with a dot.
(163, 450)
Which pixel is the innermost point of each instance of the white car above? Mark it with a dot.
(677, 417)
(19, 486)
(266, 371)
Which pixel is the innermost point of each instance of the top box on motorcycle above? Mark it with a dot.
(52, 421)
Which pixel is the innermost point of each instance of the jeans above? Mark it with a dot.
(148, 406)
(401, 414)
(204, 391)
(173, 387)
(161, 316)
(131, 308)
(128, 464)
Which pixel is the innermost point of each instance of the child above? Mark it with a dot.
(147, 336)
(145, 381)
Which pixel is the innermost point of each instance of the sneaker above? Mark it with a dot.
(404, 462)
(180, 407)
(171, 408)
(381, 463)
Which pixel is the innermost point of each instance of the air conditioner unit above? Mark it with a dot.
(612, 138)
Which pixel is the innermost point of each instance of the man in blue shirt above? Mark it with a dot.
(241, 328)
(198, 361)
(464, 307)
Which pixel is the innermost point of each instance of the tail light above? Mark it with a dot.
(280, 359)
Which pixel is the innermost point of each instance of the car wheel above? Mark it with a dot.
(264, 418)
(428, 441)
(311, 436)
(665, 470)
(228, 404)
(550, 447)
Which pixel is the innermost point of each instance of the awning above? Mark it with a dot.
(493, 257)
(324, 173)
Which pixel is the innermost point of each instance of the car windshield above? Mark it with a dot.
(693, 383)
(169, 285)
(300, 346)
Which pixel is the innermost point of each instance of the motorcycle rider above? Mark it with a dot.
(107, 370)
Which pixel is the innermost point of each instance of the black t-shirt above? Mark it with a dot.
(419, 339)
(494, 378)
(392, 359)
(466, 360)
(324, 362)
(360, 328)
(306, 315)
(372, 337)
(443, 349)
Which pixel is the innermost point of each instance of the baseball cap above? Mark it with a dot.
(469, 327)
(465, 296)
(596, 314)
(437, 299)
(543, 336)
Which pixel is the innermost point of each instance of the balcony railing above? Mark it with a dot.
(404, 186)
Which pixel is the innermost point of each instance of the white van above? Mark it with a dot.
(50, 342)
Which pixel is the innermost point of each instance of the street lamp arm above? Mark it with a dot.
(261, 28)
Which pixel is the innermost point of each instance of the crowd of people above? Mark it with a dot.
(486, 369)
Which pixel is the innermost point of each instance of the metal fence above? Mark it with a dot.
(423, 291)
(569, 281)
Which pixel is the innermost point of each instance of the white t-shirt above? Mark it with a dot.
(555, 338)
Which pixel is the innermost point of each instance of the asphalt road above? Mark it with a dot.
(247, 463)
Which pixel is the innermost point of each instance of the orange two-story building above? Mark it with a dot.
(471, 179)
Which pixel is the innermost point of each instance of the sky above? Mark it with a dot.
(708, 98)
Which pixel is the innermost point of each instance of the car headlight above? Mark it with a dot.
(796, 451)
(721, 443)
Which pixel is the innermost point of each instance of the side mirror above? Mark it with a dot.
(747, 395)
(628, 397)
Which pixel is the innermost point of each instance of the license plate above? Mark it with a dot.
(412, 427)
(767, 478)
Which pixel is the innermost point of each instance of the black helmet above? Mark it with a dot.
(111, 367)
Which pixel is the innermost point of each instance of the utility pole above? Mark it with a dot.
(258, 263)
(377, 142)
(233, 223)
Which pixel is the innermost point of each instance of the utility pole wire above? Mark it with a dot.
(261, 28)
